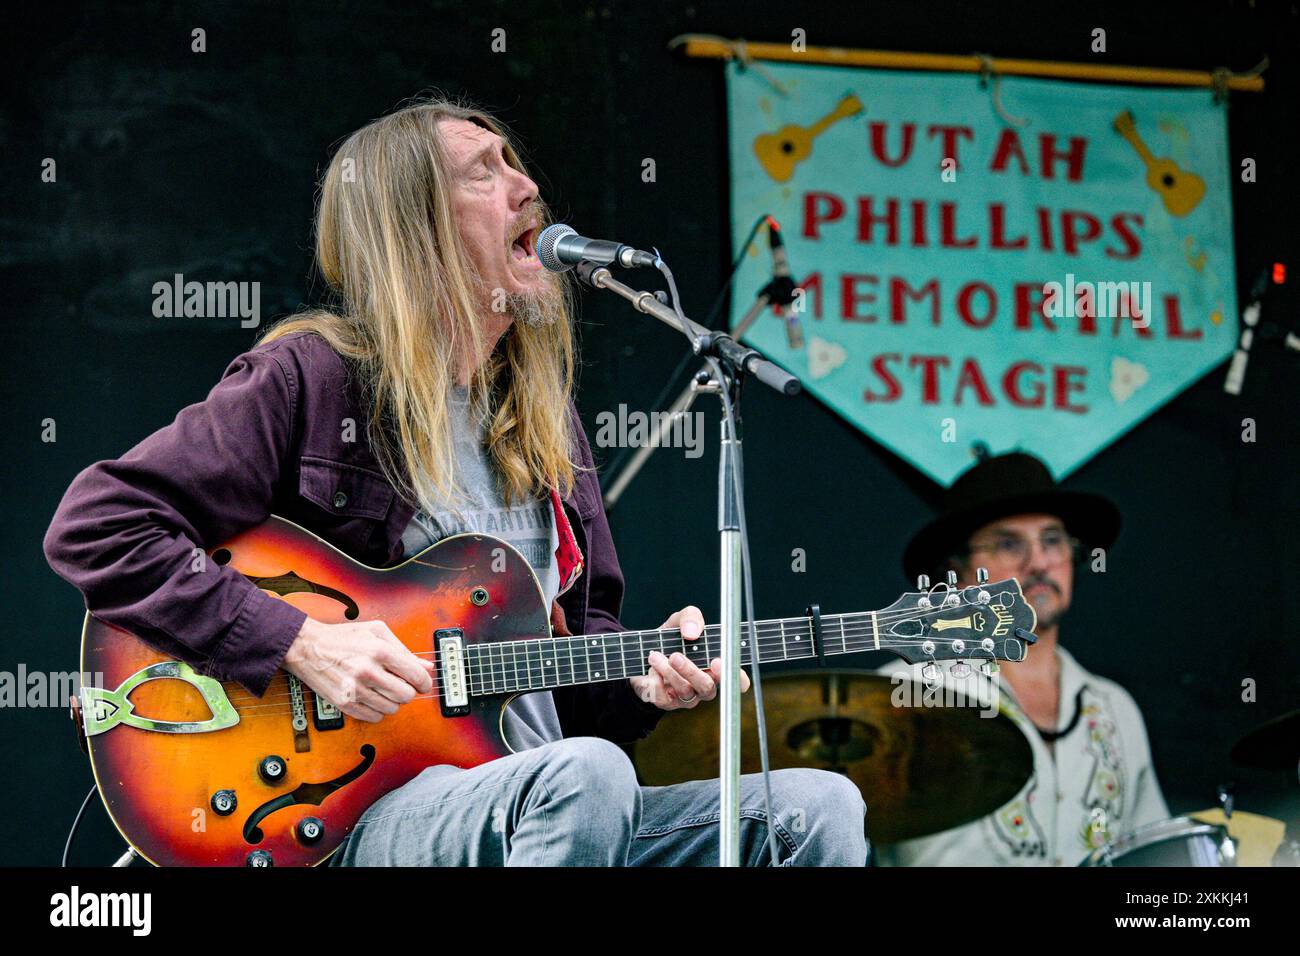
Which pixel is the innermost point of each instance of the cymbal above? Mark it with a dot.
(921, 769)
(1258, 837)
(1274, 745)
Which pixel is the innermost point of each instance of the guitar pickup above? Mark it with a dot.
(325, 715)
(453, 672)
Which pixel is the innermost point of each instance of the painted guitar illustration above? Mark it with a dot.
(1179, 190)
(782, 151)
(195, 771)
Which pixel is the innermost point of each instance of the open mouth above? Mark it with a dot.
(522, 248)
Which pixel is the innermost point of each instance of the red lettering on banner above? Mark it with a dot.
(866, 220)
(929, 375)
(918, 223)
(900, 293)
(894, 390)
(1048, 154)
(1007, 148)
(813, 217)
(878, 144)
(1131, 244)
(1027, 310)
(1071, 237)
(1064, 380)
(948, 228)
(812, 289)
(964, 304)
(1011, 385)
(998, 226)
(1174, 320)
(850, 297)
(950, 134)
(1044, 228)
(972, 377)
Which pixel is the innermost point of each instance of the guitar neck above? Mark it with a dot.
(543, 664)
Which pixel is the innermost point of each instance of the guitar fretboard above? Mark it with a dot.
(515, 666)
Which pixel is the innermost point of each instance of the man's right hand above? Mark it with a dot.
(361, 668)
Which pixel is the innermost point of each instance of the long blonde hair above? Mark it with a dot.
(406, 302)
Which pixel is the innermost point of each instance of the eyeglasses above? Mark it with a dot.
(1057, 547)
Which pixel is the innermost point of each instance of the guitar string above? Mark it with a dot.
(480, 688)
(766, 643)
(771, 631)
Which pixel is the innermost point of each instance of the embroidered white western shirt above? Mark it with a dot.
(1094, 784)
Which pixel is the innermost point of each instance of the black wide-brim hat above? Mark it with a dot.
(1004, 485)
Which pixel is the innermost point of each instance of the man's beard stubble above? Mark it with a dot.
(1047, 619)
(534, 310)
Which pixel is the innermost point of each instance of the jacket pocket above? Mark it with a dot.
(345, 490)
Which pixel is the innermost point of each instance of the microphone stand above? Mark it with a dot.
(734, 361)
(779, 292)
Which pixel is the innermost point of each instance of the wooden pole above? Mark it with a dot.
(719, 48)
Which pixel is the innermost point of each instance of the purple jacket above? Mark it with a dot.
(269, 439)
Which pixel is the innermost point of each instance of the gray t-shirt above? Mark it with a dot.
(531, 719)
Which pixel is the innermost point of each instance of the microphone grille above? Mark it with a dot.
(546, 243)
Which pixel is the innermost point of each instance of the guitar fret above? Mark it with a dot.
(844, 643)
(604, 646)
(548, 665)
(533, 655)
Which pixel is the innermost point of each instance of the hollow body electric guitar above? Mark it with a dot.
(196, 771)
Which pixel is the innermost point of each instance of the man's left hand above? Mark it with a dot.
(674, 682)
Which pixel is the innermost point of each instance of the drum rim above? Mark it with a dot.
(1153, 834)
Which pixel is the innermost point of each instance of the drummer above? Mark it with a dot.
(1093, 780)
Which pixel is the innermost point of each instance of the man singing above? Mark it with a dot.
(434, 398)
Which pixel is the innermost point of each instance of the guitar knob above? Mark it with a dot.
(259, 858)
(923, 582)
(981, 575)
(272, 769)
(952, 579)
(310, 830)
(224, 802)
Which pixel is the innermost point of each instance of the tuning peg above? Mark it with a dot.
(952, 579)
(961, 670)
(989, 668)
(923, 582)
(930, 673)
(981, 575)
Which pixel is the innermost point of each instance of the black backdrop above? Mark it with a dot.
(170, 161)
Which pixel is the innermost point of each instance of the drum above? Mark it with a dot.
(1181, 841)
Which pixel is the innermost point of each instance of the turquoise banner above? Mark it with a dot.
(1031, 264)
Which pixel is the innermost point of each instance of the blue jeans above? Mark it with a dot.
(576, 802)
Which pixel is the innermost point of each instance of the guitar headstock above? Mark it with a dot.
(982, 623)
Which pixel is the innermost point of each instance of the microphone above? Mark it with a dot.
(780, 290)
(560, 248)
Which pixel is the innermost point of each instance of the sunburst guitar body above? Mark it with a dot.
(196, 771)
